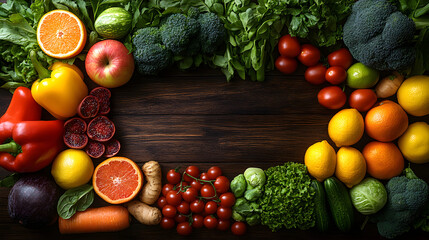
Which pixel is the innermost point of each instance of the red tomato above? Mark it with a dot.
(227, 199)
(167, 223)
(315, 74)
(181, 186)
(309, 55)
(183, 208)
(184, 228)
(197, 206)
(196, 184)
(174, 197)
(223, 225)
(336, 75)
(198, 221)
(286, 65)
(162, 201)
(193, 171)
(362, 99)
(169, 211)
(332, 97)
(224, 213)
(289, 46)
(221, 184)
(210, 222)
(173, 177)
(238, 228)
(204, 176)
(207, 191)
(190, 194)
(210, 208)
(166, 188)
(214, 172)
(341, 58)
(179, 218)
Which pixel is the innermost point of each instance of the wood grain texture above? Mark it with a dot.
(196, 117)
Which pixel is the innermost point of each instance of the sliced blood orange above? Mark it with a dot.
(117, 180)
(61, 34)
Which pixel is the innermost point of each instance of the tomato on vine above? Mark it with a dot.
(214, 172)
(173, 176)
(190, 194)
(167, 223)
(227, 199)
(184, 228)
(194, 171)
(210, 222)
(221, 184)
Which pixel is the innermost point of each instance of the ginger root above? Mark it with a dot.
(152, 189)
(143, 213)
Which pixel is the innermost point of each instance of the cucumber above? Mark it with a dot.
(321, 213)
(339, 203)
(113, 23)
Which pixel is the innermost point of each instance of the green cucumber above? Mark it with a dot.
(339, 203)
(113, 23)
(321, 213)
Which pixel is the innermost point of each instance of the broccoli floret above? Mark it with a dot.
(379, 36)
(212, 32)
(177, 31)
(147, 35)
(407, 196)
(193, 12)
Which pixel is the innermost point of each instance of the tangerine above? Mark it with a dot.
(383, 160)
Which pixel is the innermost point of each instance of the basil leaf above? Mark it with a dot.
(75, 199)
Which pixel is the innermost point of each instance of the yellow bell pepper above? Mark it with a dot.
(60, 90)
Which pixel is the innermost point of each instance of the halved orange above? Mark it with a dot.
(117, 180)
(61, 34)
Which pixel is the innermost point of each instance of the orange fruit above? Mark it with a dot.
(386, 122)
(117, 180)
(383, 160)
(61, 34)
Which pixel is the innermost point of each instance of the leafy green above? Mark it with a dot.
(287, 200)
(10, 180)
(75, 199)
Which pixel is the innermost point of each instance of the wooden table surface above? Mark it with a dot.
(196, 117)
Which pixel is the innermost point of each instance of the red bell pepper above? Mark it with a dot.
(28, 143)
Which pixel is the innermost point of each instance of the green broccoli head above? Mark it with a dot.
(148, 35)
(212, 32)
(177, 31)
(152, 58)
(379, 36)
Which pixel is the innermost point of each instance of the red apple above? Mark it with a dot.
(109, 64)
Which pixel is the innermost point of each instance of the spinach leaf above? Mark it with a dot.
(9, 181)
(75, 199)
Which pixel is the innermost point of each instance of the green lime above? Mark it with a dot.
(361, 76)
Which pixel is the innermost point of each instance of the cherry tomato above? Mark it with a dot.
(167, 223)
(315, 74)
(204, 176)
(180, 218)
(183, 208)
(224, 213)
(223, 225)
(221, 184)
(169, 211)
(238, 228)
(286, 65)
(166, 188)
(332, 97)
(174, 197)
(197, 206)
(309, 55)
(198, 221)
(210, 222)
(196, 184)
(214, 172)
(173, 177)
(341, 58)
(207, 191)
(289, 46)
(193, 171)
(181, 186)
(362, 99)
(184, 228)
(336, 75)
(227, 199)
(210, 208)
(190, 194)
(162, 201)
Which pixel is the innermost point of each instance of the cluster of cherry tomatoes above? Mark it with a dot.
(195, 200)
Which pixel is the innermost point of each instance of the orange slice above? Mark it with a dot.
(117, 180)
(61, 34)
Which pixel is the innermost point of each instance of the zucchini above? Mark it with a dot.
(321, 213)
(339, 203)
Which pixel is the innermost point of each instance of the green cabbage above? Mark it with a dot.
(369, 196)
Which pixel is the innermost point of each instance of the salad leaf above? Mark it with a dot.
(75, 199)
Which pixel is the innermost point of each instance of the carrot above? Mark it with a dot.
(143, 213)
(103, 219)
(151, 190)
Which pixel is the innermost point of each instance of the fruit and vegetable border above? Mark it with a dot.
(376, 48)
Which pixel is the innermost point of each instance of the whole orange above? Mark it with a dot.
(383, 160)
(386, 122)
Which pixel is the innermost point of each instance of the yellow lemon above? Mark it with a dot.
(346, 127)
(414, 143)
(351, 166)
(320, 159)
(413, 95)
(72, 168)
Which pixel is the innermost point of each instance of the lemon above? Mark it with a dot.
(320, 159)
(72, 168)
(413, 95)
(346, 127)
(414, 143)
(351, 166)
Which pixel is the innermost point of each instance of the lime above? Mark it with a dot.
(361, 76)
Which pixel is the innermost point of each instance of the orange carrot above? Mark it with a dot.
(103, 219)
